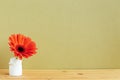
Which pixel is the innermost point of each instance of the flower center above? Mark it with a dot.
(20, 49)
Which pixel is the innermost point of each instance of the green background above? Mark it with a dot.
(70, 34)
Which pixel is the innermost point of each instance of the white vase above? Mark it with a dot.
(15, 67)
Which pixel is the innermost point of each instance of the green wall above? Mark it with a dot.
(70, 34)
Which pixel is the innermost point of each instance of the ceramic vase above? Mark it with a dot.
(15, 67)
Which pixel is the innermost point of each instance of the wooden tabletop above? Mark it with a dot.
(96, 74)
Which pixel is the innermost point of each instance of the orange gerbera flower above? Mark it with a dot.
(22, 46)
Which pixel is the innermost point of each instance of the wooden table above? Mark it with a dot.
(95, 74)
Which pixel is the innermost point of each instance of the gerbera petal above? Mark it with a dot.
(20, 39)
(14, 37)
(19, 55)
(26, 55)
(27, 41)
(31, 45)
(11, 39)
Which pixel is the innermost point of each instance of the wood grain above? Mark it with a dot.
(98, 74)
